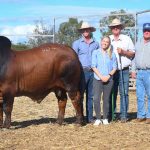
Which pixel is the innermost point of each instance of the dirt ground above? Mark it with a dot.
(34, 128)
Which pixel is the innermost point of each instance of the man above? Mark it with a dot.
(124, 50)
(141, 71)
(84, 48)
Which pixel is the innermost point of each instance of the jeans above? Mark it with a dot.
(87, 86)
(121, 80)
(143, 90)
(99, 88)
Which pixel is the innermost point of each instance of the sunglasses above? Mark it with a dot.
(85, 30)
(146, 30)
(116, 27)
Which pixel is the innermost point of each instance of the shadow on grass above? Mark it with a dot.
(24, 124)
(132, 115)
(70, 120)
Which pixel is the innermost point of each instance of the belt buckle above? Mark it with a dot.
(125, 68)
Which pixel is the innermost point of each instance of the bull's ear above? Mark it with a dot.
(5, 43)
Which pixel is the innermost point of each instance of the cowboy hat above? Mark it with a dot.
(116, 22)
(86, 25)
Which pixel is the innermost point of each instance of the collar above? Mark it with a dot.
(91, 40)
(146, 42)
(119, 39)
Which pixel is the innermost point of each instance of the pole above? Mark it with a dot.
(54, 31)
(135, 33)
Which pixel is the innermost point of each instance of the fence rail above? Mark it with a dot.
(132, 84)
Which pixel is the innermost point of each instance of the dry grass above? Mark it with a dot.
(34, 128)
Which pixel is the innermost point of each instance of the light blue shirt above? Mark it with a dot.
(85, 50)
(103, 62)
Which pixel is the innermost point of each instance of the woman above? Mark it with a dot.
(104, 65)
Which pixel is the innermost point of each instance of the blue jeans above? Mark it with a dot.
(87, 86)
(121, 79)
(142, 90)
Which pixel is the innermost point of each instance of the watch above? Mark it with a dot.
(110, 75)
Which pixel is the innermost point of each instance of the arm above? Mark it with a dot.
(133, 69)
(94, 65)
(97, 72)
(112, 72)
(130, 51)
(103, 78)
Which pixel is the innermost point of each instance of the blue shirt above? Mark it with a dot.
(84, 51)
(103, 62)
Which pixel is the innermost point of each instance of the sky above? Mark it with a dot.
(19, 16)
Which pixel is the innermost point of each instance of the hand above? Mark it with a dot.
(133, 75)
(105, 78)
(120, 51)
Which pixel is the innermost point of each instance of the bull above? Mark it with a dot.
(37, 72)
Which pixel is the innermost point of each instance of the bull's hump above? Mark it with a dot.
(53, 47)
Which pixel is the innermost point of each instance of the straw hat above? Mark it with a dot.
(116, 22)
(86, 25)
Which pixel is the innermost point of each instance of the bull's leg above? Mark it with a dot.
(62, 100)
(61, 113)
(7, 107)
(1, 110)
(78, 105)
(1, 113)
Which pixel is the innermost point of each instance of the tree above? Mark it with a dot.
(128, 20)
(20, 46)
(67, 32)
(41, 28)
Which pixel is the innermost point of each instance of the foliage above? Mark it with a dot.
(20, 46)
(128, 20)
(67, 32)
(41, 28)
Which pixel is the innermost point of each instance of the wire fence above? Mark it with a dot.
(27, 31)
(21, 33)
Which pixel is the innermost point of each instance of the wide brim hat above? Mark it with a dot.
(86, 25)
(116, 22)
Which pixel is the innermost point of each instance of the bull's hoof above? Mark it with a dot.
(59, 122)
(1, 124)
(80, 124)
(80, 121)
(6, 125)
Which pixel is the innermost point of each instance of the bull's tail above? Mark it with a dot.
(82, 81)
(82, 88)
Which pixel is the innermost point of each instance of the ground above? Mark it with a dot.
(34, 128)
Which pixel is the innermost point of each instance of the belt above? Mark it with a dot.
(143, 69)
(87, 69)
(125, 68)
